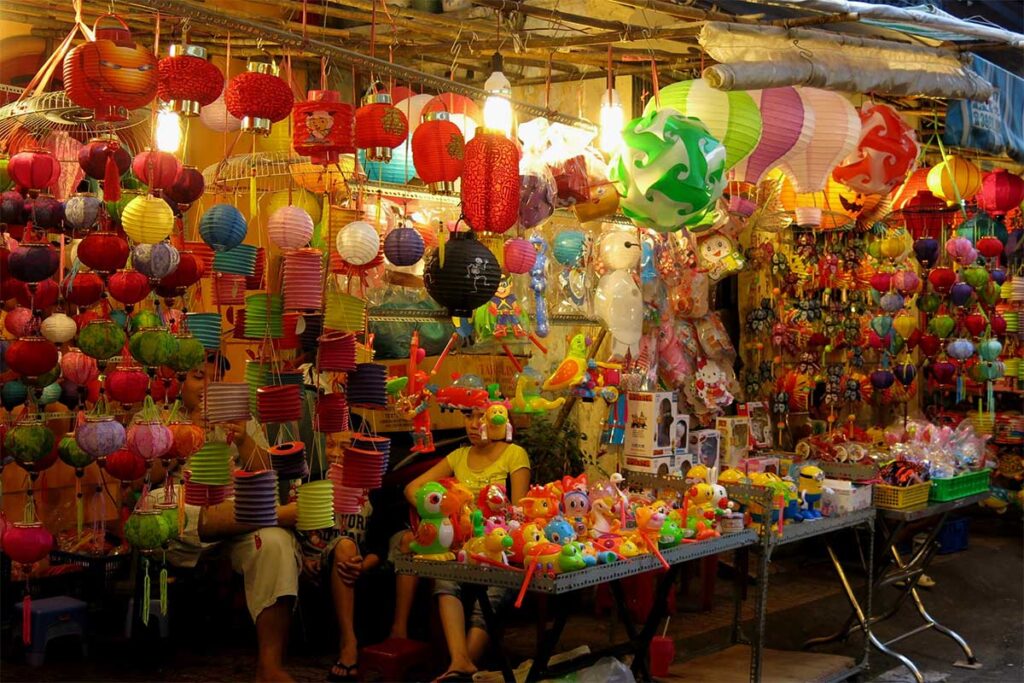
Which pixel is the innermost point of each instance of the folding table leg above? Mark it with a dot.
(495, 629)
(642, 641)
(546, 644)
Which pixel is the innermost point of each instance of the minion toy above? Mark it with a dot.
(809, 488)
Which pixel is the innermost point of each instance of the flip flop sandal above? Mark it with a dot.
(454, 677)
(351, 672)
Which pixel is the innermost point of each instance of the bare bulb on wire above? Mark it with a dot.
(613, 118)
(498, 106)
(168, 131)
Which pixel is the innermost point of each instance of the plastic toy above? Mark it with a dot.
(576, 503)
(630, 548)
(810, 489)
(539, 504)
(414, 393)
(525, 540)
(559, 531)
(460, 499)
(603, 520)
(496, 424)
(572, 558)
(528, 399)
(699, 474)
(488, 548)
(435, 532)
(466, 393)
(506, 309)
(670, 535)
(539, 285)
(493, 501)
(570, 371)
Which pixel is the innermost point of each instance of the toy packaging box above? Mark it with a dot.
(841, 497)
(652, 423)
(735, 433)
(704, 445)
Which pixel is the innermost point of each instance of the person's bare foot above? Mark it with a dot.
(268, 675)
(399, 633)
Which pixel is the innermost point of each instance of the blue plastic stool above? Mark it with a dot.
(53, 618)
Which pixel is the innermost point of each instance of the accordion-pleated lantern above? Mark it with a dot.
(263, 316)
(337, 352)
(332, 414)
(227, 402)
(203, 252)
(315, 505)
(344, 312)
(211, 464)
(347, 500)
(258, 277)
(366, 386)
(238, 261)
(206, 328)
(282, 403)
(303, 280)
(256, 498)
(228, 289)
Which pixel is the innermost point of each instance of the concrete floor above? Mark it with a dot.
(979, 592)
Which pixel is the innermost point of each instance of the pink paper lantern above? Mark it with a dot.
(835, 135)
(1001, 192)
(787, 130)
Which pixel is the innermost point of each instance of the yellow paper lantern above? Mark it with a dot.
(320, 179)
(147, 220)
(307, 201)
(954, 179)
(905, 324)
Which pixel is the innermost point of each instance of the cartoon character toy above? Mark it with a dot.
(526, 539)
(559, 531)
(528, 399)
(487, 548)
(572, 368)
(435, 532)
(496, 424)
(810, 490)
(539, 503)
(576, 502)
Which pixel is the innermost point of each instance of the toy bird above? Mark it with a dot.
(435, 532)
(572, 368)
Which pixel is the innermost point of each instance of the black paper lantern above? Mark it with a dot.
(468, 278)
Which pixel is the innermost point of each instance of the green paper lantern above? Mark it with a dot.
(72, 454)
(145, 320)
(147, 529)
(190, 354)
(669, 172)
(43, 380)
(153, 347)
(5, 178)
(50, 393)
(101, 339)
(170, 515)
(28, 442)
(731, 117)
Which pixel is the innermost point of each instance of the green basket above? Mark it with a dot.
(960, 486)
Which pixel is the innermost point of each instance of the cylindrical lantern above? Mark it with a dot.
(217, 118)
(155, 261)
(468, 277)
(58, 328)
(223, 227)
(206, 328)
(104, 252)
(263, 316)
(956, 179)
(323, 127)
(81, 211)
(398, 170)
(259, 268)
(290, 227)
(886, 152)
(203, 253)
(101, 339)
(228, 289)
(490, 183)
(1001, 192)
(337, 352)
(110, 74)
(835, 136)
(315, 506)
(227, 402)
(34, 170)
(281, 403)
(345, 312)
(156, 169)
(379, 127)
(211, 464)
(358, 243)
(240, 260)
(147, 219)
(731, 117)
(302, 282)
(187, 80)
(332, 413)
(187, 187)
(256, 498)
(258, 98)
(438, 151)
(403, 246)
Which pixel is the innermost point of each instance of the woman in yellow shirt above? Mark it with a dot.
(480, 464)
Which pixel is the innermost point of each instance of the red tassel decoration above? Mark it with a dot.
(111, 177)
(26, 619)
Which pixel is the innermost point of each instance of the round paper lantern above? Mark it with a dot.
(732, 118)
(31, 356)
(39, 295)
(34, 170)
(128, 286)
(358, 243)
(403, 246)
(27, 542)
(886, 152)
(20, 322)
(78, 367)
(217, 118)
(125, 466)
(127, 384)
(104, 252)
(955, 179)
(13, 393)
(467, 279)
(81, 211)
(101, 339)
(111, 73)
(28, 441)
(669, 171)
(290, 227)
(187, 80)
(47, 213)
(490, 183)
(187, 187)
(189, 354)
(152, 347)
(835, 136)
(398, 170)
(322, 127)
(84, 289)
(258, 98)
(33, 262)
(787, 129)
(307, 201)
(438, 151)
(155, 261)
(188, 272)
(223, 227)
(156, 169)
(107, 160)
(147, 219)
(58, 328)
(379, 127)
(519, 255)
(12, 208)
(1001, 192)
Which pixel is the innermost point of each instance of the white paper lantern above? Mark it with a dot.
(290, 227)
(217, 118)
(358, 243)
(835, 136)
(59, 328)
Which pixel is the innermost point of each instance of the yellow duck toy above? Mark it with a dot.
(572, 368)
(491, 548)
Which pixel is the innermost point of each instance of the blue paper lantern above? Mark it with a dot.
(223, 227)
(13, 393)
(398, 171)
(238, 261)
(403, 246)
(568, 247)
(206, 328)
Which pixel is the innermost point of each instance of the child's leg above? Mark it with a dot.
(343, 595)
(405, 589)
(453, 622)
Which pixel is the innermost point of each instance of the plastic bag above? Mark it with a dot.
(536, 191)
(690, 297)
(714, 339)
(603, 200)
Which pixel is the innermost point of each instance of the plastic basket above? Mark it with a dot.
(901, 497)
(960, 486)
(953, 536)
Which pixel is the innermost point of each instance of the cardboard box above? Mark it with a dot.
(760, 422)
(841, 497)
(735, 435)
(662, 465)
(705, 446)
(651, 424)
(760, 464)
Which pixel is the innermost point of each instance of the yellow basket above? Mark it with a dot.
(902, 497)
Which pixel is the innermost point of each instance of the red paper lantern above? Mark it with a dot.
(27, 542)
(110, 74)
(31, 356)
(128, 286)
(258, 98)
(490, 183)
(187, 80)
(1001, 192)
(925, 215)
(989, 246)
(188, 272)
(124, 465)
(519, 256)
(84, 289)
(106, 160)
(156, 169)
(438, 152)
(42, 294)
(104, 252)
(187, 187)
(34, 170)
(127, 384)
(322, 127)
(379, 127)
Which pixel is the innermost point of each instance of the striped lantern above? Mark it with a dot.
(337, 219)
(289, 460)
(206, 328)
(956, 179)
(302, 282)
(227, 402)
(358, 243)
(217, 118)
(257, 374)
(238, 261)
(379, 127)
(438, 151)
(366, 386)
(223, 227)
(332, 413)
(279, 403)
(256, 498)
(337, 352)
(147, 220)
(347, 500)
(344, 312)
(322, 127)
(787, 129)
(263, 316)
(315, 506)
(397, 170)
(403, 246)
(203, 252)
(228, 289)
(259, 268)
(307, 201)
(290, 227)
(211, 464)
(290, 337)
(835, 136)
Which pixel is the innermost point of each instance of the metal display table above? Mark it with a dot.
(903, 573)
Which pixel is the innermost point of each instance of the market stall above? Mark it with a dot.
(683, 290)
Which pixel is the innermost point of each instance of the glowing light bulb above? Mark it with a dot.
(168, 131)
(613, 118)
(497, 106)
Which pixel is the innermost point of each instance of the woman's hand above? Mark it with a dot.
(350, 569)
(286, 515)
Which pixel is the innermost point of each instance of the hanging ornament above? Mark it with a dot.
(379, 127)
(467, 278)
(490, 183)
(886, 152)
(258, 98)
(290, 227)
(187, 80)
(147, 219)
(81, 212)
(835, 135)
(322, 127)
(358, 243)
(217, 118)
(187, 188)
(128, 287)
(1001, 192)
(955, 180)
(82, 289)
(34, 170)
(403, 246)
(104, 252)
(58, 328)
(223, 227)
(33, 262)
(438, 152)
(155, 261)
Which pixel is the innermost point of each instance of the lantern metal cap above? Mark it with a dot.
(382, 154)
(187, 108)
(376, 98)
(186, 50)
(443, 115)
(256, 125)
(443, 187)
(261, 68)
(332, 96)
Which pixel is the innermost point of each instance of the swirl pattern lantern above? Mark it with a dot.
(187, 187)
(669, 171)
(438, 152)
(886, 152)
(34, 170)
(58, 328)
(104, 252)
(101, 339)
(1001, 192)
(110, 74)
(290, 227)
(258, 98)
(956, 179)
(187, 81)
(31, 356)
(379, 127)
(217, 118)
(33, 262)
(466, 279)
(223, 227)
(731, 117)
(147, 219)
(322, 127)
(358, 243)
(835, 136)
(155, 261)
(156, 169)
(490, 183)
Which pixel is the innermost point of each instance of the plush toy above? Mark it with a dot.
(570, 371)
(528, 399)
(712, 384)
(435, 532)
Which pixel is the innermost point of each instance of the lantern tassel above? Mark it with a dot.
(79, 507)
(26, 617)
(111, 178)
(163, 591)
(146, 586)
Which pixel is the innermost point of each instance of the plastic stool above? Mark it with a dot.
(396, 659)
(53, 618)
(163, 620)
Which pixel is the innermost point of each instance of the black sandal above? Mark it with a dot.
(351, 672)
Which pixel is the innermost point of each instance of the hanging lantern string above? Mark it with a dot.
(41, 79)
(153, 104)
(610, 77)
(654, 82)
(227, 76)
(949, 171)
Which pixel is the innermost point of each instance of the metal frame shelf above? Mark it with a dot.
(426, 315)
(810, 529)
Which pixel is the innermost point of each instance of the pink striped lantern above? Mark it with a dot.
(337, 352)
(282, 403)
(332, 413)
(347, 500)
(228, 289)
(303, 280)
